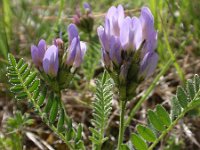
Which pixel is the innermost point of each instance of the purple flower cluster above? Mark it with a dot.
(47, 58)
(122, 38)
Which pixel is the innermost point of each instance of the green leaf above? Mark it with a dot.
(49, 102)
(25, 74)
(21, 95)
(42, 96)
(146, 133)
(79, 132)
(36, 94)
(124, 147)
(94, 140)
(101, 109)
(176, 108)
(16, 88)
(138, 142)
(190, 89)
(163, 115)
(23, 68)
(19, 64)
(80, 145)
(12, 75)
(196, 82)
(12, 60)
(155, 121)
(182, 97)
(34, 85)
(95, 132)
(30, 78)
(14, 81)
(61, 120)
(54, 111)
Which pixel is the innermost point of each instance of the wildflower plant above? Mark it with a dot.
(128, 52)
(128, 46)
(56, 65)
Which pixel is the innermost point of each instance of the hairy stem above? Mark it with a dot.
(122, 95)
(121, 127)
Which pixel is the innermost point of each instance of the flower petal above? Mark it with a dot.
(34, 55)
(148, 64)
(83, 47)
(102, 37)
(121, 15)
(72, 32)
(50, 61)
(137, 29)
(71, 52)
(115, 50)
(124, 33)
(147, 22)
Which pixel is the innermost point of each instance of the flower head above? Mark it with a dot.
(37, 53)
(128, 45)
(50, 61)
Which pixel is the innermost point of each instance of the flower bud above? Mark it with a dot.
(37, 53)
(59, 43)
(148, 65)
(50, 61)
(87, 7)
(76, 49)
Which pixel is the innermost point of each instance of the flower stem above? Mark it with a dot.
(121, 127)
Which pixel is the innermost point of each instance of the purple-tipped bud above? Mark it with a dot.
(87, 7)
(59, 43)
(50, 61)
(77, 48)
(148, 32)
(37, 53)
(80, 52)
(72, 33)
(148, 64)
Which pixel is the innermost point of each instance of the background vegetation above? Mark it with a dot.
(24, 22)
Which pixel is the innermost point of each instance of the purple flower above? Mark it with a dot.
(87, 7)
(149, 34)
(115, 50)
(124, 39)
(77, 48)
(37, 53)
(148, 64)
(115, 16)
(131, 34)
(50, 61)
